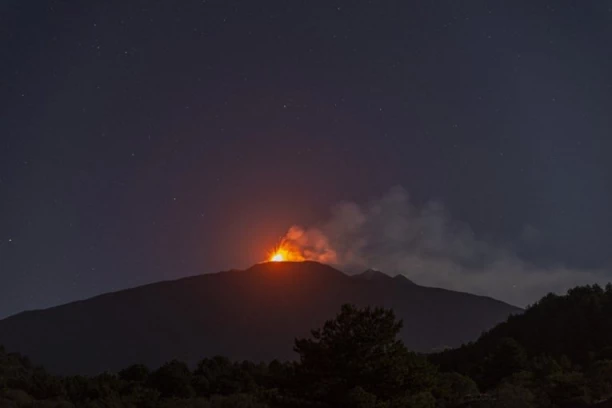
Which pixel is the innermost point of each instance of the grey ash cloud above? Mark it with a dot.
(425, 244)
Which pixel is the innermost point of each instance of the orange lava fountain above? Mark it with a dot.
(284, 252)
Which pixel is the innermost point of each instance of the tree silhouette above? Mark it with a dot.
(173, 379)
(358, 356)
(135, 372)
(507, 358)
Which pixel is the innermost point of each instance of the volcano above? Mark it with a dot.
(252, 314)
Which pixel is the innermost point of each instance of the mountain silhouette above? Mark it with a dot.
(252, 314)
(376, 275)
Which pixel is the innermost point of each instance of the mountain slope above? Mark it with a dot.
(576, 327)
(253, 314)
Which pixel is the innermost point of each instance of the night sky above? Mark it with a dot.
(149, 140)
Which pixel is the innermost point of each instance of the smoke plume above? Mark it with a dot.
(424, 244)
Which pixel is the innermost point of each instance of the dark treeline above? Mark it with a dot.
(556, 354)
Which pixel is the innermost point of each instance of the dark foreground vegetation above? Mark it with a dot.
(556, 354)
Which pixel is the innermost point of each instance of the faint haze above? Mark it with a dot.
(425, 244)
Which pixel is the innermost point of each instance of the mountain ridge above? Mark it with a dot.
(252, 314)
(397, 278)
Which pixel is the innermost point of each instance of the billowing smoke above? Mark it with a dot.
(392, 235)
(312, 244)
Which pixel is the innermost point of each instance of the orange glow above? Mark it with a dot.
(277, 258)
(285, 252)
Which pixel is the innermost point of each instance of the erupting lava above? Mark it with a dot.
(277, 258)
(285, 252)
(300, 245)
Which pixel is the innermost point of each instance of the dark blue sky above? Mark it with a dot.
(143, 141)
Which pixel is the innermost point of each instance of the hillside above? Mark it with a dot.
(560, 333)
(253, 314)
